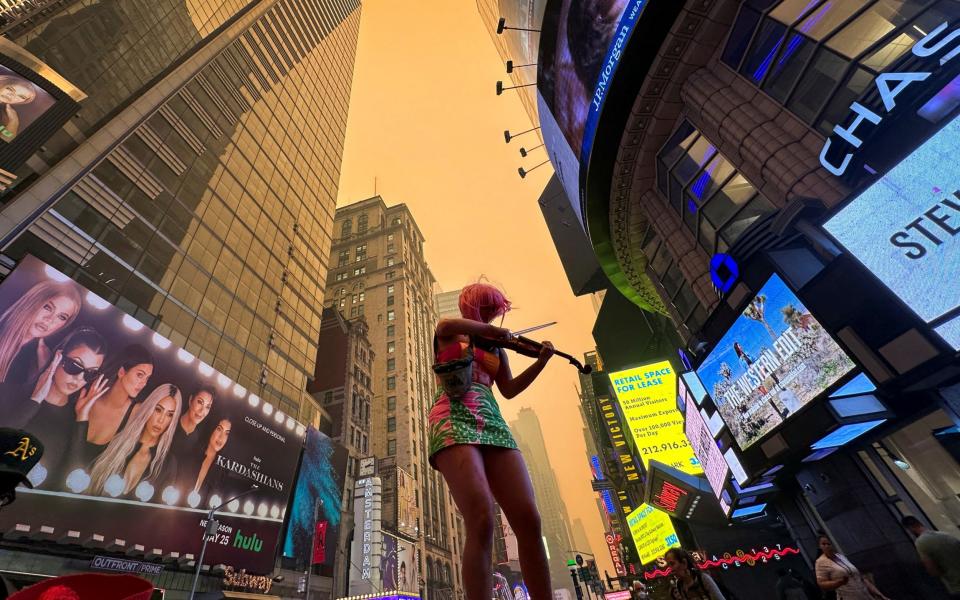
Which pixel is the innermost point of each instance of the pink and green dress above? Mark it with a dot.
(475, 418)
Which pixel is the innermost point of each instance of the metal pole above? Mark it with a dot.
(313, 545)
(212, 525)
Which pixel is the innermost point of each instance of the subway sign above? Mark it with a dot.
(849, 138)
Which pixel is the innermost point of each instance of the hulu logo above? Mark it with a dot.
(248, 542)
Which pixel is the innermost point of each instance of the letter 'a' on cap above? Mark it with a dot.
(20, 451)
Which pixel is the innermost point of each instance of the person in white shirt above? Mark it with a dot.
(836, 573)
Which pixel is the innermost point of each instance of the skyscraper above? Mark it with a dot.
(200, 185)
(448, 304)
(196, 187)
(380, 274)
(553, 512)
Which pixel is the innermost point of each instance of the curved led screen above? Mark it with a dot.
(580, 47)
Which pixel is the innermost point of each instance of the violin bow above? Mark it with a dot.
(529, 329)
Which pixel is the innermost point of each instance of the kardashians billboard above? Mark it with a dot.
(141, 437)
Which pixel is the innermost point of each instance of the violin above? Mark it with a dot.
(526, 347)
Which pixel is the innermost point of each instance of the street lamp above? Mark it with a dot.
(211, 529)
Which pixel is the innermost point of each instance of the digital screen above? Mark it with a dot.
(845, 434)
(319, 487)
(652, 532)
(705, 449)
(904, 227)
(35, 101)
(647, 397)
(141, 438)
(694, 386)
(749, 511)
(580, 48)
(860, 384)
(736, 467)
(774, 360)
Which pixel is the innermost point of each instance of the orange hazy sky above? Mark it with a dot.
(426, 123)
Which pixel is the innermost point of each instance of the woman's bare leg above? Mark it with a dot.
(510, 483)
(462, 467)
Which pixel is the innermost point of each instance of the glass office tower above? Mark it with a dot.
(196, 187)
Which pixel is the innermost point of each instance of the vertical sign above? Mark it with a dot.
(613, 545)
(368, 541)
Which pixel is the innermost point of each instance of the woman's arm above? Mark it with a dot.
(711, 586)
(825, 581)
(511, 386)
(452, 327)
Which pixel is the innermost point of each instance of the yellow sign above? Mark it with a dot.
(648, 398)
(652, 532)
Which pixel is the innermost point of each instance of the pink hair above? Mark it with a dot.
(482, 302)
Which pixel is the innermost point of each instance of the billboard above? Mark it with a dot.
(774, 360)
(35, 102)
(318, 492)
(648, 398)
(705, 447)
(903, 228)
(141, 438)
(652, 532)
(580, 48)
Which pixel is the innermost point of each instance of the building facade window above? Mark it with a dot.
(391, 347)
(390, 262)
(714, 201)
(392, 382)
(390, 288)
(676, 290)
(359, 271)
(391, 447)
(391, 315)
(389, 300)
(391, 424)
(391, 364)
(391, 402)
(346, 228)
(362, 223)
(391, 275)
(816, 58)
(361, 253)
(343, 258)
(390, 330)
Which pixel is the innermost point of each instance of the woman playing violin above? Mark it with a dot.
(473, 449)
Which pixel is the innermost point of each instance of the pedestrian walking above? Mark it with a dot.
(939, 552)
(692, 583)
(835, 573)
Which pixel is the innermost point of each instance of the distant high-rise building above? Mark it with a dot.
(379, 274)
(342, 386)
(553, 512)
(581, 541)
(448, 304)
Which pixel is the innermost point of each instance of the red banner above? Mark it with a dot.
(613, 544)
(320, 544)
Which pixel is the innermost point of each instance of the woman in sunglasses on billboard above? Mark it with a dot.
(138, 452)
(39, 313)
(45, 408)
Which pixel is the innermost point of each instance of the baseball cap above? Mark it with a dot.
(20, 451)
(89, 586)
